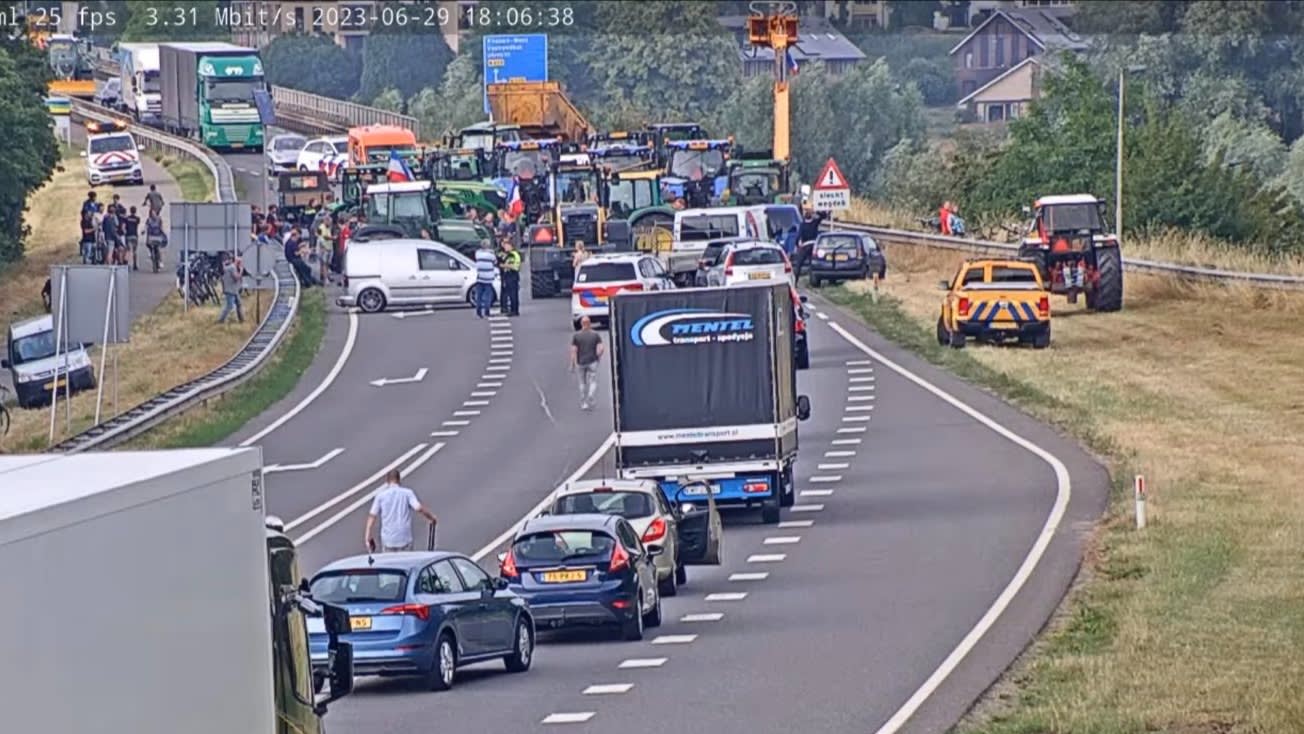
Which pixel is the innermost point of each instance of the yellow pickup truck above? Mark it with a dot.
(995, 300)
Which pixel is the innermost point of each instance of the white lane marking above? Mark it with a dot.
(855, 419)
(816, 493)
(430, 311)
(861, 371)
(858, 408)
(460, 413)
(727, 596)
(823, 316)
(838, 454)
(674, 639)
(852, 429)
(805, 508)
(317, 391)
(493, 319)
(858, 362)
(446, 434)
(495, 331)
(484, 394)
(455, 423)
(488, 384)
(859, 398)
(786, 524)
(604, 689)
(500, 360)
(369, 481)
(846, 441)
(766, 557)
(828, 467)
(761, 576)
(501, 353)
(703, 617)
(364, 499)
(300, 467)
(861, 388)
(783, 540)
(578, 717)
(583, 469)
(493, 377)
(826, 479)
(860, 379)
(497, 368)
(634, 663)
(474, 403)
(418, 377)
(1063, 493)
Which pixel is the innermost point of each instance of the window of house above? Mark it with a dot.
(998, 50)
(968, 59)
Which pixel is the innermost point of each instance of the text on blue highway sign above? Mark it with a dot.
(514, 58)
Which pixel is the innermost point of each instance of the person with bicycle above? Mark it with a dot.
(155, 238)
(393, 507)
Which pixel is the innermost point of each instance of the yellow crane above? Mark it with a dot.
(773, 25)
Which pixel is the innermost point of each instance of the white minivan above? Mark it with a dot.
(694, 228)
(29, 357)
(404, 273)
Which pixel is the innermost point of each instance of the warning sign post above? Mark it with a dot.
(831, 192)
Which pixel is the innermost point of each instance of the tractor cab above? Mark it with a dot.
(620, 157)
(522, 170)
(629, 192)
(1068, 238)
(698, 170)
(296, 189)
(664, 133)
(408, 205)
(484, 136)
(458, 164)
(640, 139)
(759, 178)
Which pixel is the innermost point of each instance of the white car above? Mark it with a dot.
(405, 273)
(111, 155)
(639, 501)
(749, 263)
(602, 276)
(282, 153)
(324, 154)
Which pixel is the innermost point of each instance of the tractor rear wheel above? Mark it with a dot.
(1108, 295)
(1038, 257)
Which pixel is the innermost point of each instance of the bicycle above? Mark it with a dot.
(205, 278)
(4, 411)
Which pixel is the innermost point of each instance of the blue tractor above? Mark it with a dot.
(698, 170)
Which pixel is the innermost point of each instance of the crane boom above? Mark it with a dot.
(773, 25)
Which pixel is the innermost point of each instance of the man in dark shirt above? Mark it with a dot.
(806, 234)
(586, 352)
(131, 226)
(301, 268)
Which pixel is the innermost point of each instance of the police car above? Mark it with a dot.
(602, 276)
(111, 155)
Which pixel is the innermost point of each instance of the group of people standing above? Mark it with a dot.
(506, 262)
(111, 234)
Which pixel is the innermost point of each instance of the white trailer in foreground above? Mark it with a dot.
(145, 592)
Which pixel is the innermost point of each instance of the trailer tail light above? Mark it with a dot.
(619, 560)
(760, 487)
(656, 531)
(420, 611)
(963, 307)
(1043, 307)
(507, 569)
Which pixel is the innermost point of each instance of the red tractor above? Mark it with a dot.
(1069, 241)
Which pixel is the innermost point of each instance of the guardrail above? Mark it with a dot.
(924, 239)
(244, 365)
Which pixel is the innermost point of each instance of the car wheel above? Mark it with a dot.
(941, 332)
(654, 616)
(669, 586)
(371, 301)
(521, 657)
(815, 282)
(632, 629)
(445, 667)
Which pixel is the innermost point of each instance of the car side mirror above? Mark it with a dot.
(341, 671)
(803, 407)
(304, 586)
(655, 551)
(943, 285)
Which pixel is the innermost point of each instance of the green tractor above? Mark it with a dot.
(464, 178)
(758, 178)
(408, 208)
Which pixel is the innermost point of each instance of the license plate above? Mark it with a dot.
(758, 276)
(1005, 325)
(698, 491)
(842, 258)
(359, 624)
(564, 577)
(56, 385)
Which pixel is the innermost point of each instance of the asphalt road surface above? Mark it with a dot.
(935, 532)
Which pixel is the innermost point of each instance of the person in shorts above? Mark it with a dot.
(586, 352)
(394, 506)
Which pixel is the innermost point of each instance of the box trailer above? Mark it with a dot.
(207, 92)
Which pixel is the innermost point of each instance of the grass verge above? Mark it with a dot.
(53, 212)
(192, 177)
(1192, 625)
(211, 424)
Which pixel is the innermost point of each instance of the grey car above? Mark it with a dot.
(283, 152)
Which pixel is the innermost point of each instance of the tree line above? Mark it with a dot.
(31, 150)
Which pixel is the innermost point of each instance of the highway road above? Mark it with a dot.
(936, 531)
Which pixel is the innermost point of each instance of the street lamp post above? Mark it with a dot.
(1118, 159)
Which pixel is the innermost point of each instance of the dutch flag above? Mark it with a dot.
(792, 62)
(398, 168)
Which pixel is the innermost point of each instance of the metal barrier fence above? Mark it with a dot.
(244, 365)
(1196, 272)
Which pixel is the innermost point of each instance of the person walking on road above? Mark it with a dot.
(486, 267)
(154, 200)
(232, 276)
(585, 353)
(131, 225)
(510, 263)
(393, 507)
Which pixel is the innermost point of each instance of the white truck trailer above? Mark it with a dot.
(147, 593)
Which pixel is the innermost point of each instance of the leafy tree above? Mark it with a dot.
(33, 152)
(408, 61)
(1134, 16)
(173, 20)
(458, 101)
(1240, 142)
(390, 99)
(906, 13)
(934, 78)
(312, 63)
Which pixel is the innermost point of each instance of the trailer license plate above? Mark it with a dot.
(758, 276)
(564, 577)
(359, 624)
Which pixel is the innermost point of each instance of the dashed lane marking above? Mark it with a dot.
(823, 316)
(858, 408)
(859, 398)
(789, 524)
(853, 429)
(838, 454)
(488, 384)
(760, 576)
(503, 353)
(456, 423)
(861, 371)
(500, 360)
(484, 394)
(474, 403)
(460, 413)
(493, 377)
(766, 557)
(805, 508)
(782, 540)
(702, 617)
(830, 467)
(634, 663)
(846, 441)
(857, 362)
(860, 379)
(826, 479)
(445, 434)
(575, 718)
(816, 493)
(498, 367)
(727, 596)
(855, 419)
(853, 388)
(674, 639)
(605, 689)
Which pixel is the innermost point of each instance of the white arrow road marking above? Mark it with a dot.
(418, 377)
(300, 467)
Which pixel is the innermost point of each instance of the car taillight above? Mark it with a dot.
(507, 569)
(656, 531)
(963, 307)
(420, 611)
(619, 559)
(632, 287)
(1043, 307)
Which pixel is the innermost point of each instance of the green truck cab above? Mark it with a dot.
(207, 93)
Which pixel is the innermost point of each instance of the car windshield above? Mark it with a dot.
(526, 162)
(232, 90)
(405, 205)
(460, 168)
(757, 256)
(712, 253)
(782, 219)
(152, 82)
(111, 143)
(34, 347)
(691, 163)
(381, 153)
(837, 242)
(576, 186)
(756, 184)
(618, 162)
(360, 585)
(559, 545)
(707, 227)
(1013, 275)
(341, 146)
(629, 505)
(1073, 217)
(289, 143)
(599, 272)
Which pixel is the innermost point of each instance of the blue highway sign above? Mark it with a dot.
(514, 58)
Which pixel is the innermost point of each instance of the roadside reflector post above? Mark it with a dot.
(1139, 492)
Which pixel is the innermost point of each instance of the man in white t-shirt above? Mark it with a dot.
(394, 506)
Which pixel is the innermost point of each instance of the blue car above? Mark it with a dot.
(585, 570)
(421, 614)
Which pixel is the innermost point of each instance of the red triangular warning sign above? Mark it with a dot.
(831, 178)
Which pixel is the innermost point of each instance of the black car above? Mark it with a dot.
(584, 570)
(845, 256)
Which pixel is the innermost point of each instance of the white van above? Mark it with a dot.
(29, 357)
(404, 273)
(694, 228)
(111, 155)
